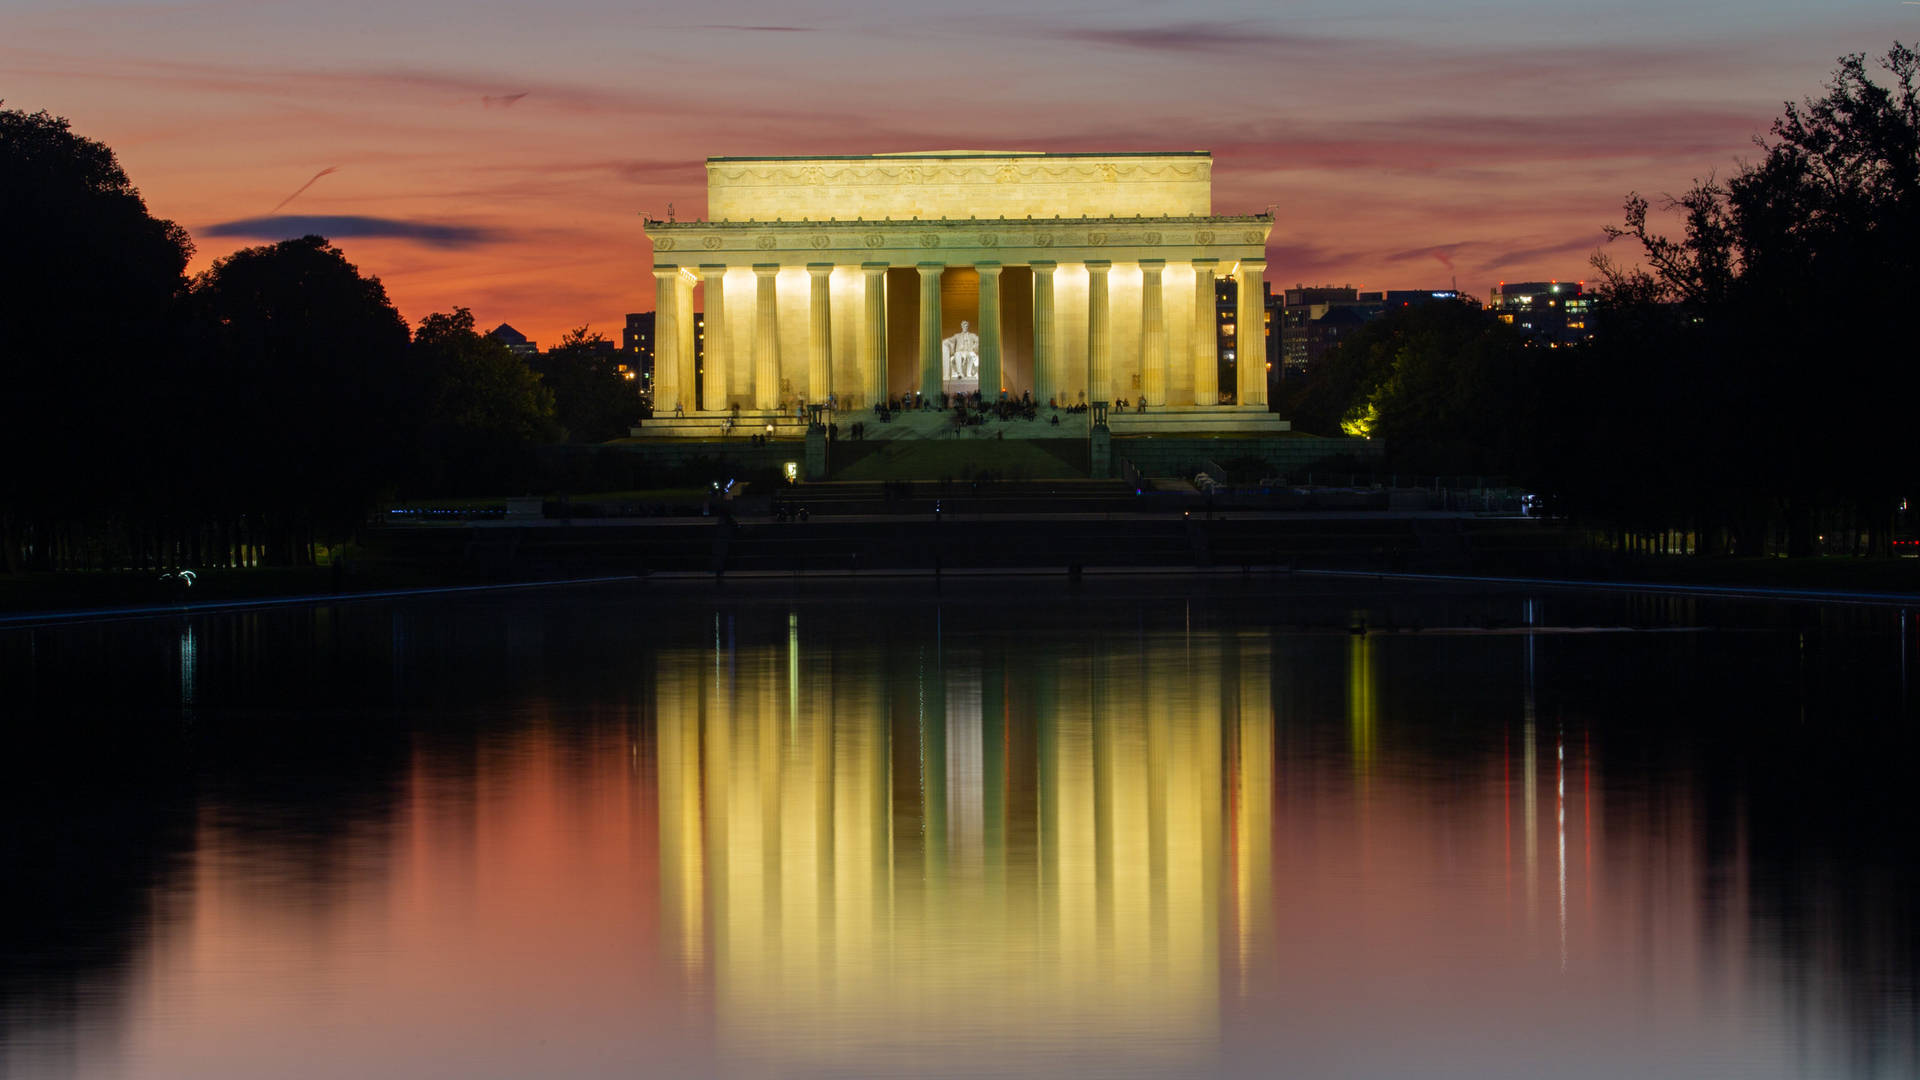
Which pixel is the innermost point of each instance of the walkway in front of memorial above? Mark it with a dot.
(919, 542)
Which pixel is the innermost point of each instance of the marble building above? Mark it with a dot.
(1086, 278)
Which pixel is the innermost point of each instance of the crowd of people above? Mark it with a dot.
(968, 410)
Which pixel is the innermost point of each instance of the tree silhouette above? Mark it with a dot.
(1791, 280)
(305, 397)
(485, 408)
(593, 402)
(88, 283)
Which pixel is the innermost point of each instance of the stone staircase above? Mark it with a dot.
(1198, 420)
(716, 426)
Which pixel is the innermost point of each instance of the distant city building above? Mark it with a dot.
(1548, 313)
(1313, 319)
(514, 340)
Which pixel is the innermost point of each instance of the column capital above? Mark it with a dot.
(1252, 263)
(665, 271)
(1205, 264)
(1099, 266)
(1043, 266)
(873, 268)
(985, 268)
(930, 267)
(766, 270)
(708, 270)
(820, 269)
(1153, 264)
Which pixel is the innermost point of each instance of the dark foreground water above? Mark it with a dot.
(1025, 831)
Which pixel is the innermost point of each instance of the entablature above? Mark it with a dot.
(961, 242)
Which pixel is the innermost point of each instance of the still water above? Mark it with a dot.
(1298, 829)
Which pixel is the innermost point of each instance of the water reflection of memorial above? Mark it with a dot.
(1032, 848)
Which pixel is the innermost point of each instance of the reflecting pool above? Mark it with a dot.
(1130, 829)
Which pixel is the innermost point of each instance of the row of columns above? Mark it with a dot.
(673, 326)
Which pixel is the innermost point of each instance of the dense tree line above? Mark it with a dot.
(1752, 383)
(240, 415)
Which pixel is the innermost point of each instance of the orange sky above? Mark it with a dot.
(500, 157)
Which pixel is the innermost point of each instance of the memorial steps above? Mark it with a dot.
(1198, 420)
(1184, 420)
(714, 426)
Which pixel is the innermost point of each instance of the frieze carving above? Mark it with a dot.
(1252, 236)
(1038, 171)
(663, 243)
(1097, 239)
(710, 242)
(929, 240)
(818, 240)
(1151, 238)
(1203, 237)
(1043, 240)
(875, 239)
(989, 240)
(765, 243)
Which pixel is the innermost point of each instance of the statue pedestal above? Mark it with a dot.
(1100, 452)
(816, 452)
(957, 387)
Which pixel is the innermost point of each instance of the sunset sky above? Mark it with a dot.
(499, 155)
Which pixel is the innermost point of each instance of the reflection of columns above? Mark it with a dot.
(1099, 356)
(991, 379)
(1153, 334)
(1206, 335)
(820, 334)
(1250, 334)
(1252, 703)
(873, 343)
(766, 338)
(666, 341)
(719, 354)
(930, 328)
(1046, 381)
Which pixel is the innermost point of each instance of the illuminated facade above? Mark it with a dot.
(1089, 277)
(1550, 313)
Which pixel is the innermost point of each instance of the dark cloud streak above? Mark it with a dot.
(351, 226)
(1199, 37)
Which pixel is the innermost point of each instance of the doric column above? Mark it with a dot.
(689, 365)
(991, 377)
(766, 338)
(719, 353)
(1153, 334)
(1206, 335)
(1250, 334)
(820, 334)
(930, 328)
(1099, 341)
(1046, 380)
(873, 343)
(666, 340)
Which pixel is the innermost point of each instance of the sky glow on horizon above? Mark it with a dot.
(499, 157)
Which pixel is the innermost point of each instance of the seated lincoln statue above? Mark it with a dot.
(961, 352)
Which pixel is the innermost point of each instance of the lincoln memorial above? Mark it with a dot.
(1079, 278)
